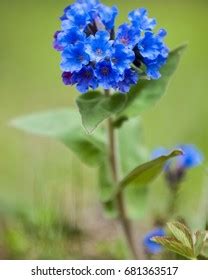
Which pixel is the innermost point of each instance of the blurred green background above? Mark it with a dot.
(47, 197)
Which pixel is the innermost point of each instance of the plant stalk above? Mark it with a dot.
(119, 198)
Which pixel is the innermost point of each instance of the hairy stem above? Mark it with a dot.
(119, 199)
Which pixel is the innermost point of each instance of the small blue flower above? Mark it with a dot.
(76, 16)
(151, 246)
(153, 67)
(122, 58)
(139, 19)
(175, 169)
(152, 52)
(130, 78)
(192, 157)
(85, 79)
(99, 46)
(64, 39)
(151, 45)
(74, 57)
(107, 15)
(107, 76)
(127, 35)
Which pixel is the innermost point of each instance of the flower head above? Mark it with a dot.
(151, 246)
(90, 45)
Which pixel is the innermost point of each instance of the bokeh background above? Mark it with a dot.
(48, 198)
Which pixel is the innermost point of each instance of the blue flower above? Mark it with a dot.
(151, 246)
(152, 52)
(153, 67)
(122, 58)
(107, 15)
(175, 169)
(151, 45)
(127, 35)
(107, 76)
(74, 57)
(139, 19)
(191, 157)
(99, 46)
(85, 79)
(77, 16)
(130, 78)
(64, 39)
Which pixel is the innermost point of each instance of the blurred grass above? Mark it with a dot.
(37, 172)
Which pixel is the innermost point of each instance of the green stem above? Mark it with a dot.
(119, 198)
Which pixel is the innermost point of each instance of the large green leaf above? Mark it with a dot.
(131, 153)
(147, 93)
(132, 150)
(65, 126)
(95, 107)
(145, 173)
(107, 187)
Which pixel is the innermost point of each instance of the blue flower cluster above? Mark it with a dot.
(175, 169)
(94, 55)
(151, 246)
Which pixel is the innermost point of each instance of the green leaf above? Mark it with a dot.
(107, 187)
(95, 107)
(130, 156)
(136, 201)
(181, 233)
(173, 245)
(200, 241)
(147, 93)
(147, 172)
(105, 182)
(64, 125)
(132, 150)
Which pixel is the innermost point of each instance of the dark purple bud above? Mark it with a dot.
(67, 78)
